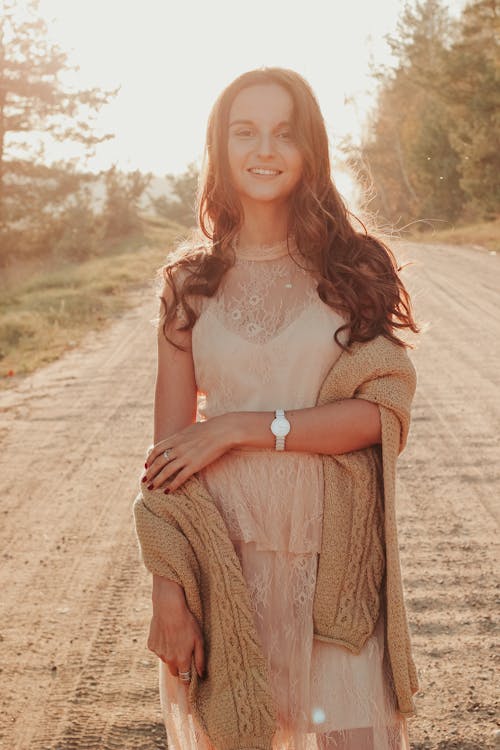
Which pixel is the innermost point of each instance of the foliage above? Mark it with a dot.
(46, 311)
(429, 152)
(471, 89)
(35, 106)
(123, 192)
(77, 234)
(182, 208)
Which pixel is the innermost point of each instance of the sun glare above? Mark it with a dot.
(171, 62)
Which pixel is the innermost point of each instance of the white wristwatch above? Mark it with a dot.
(280, 427)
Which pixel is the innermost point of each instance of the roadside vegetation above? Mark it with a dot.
(483, 235)
(46, 312)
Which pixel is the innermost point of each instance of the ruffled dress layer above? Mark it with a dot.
(266, 341)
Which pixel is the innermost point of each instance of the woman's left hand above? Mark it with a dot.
(189, 450)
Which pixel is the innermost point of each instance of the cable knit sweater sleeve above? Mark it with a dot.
(183, 537)
(359, 568)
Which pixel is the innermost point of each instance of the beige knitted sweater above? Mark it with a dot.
(183, 537)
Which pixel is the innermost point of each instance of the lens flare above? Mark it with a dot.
(318, 715)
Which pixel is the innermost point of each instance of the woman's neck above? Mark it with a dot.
(263, 225)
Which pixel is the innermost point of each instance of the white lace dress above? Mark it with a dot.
(265, 341)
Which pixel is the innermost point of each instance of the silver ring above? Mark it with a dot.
(166, 453)
(185, 676)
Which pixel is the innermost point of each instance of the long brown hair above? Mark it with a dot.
(359, 276)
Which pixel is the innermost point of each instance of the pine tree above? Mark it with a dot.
(34, 101)
(121, 209)
(408, 152)
(470, 86)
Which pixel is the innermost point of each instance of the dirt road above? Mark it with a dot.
(75, 671)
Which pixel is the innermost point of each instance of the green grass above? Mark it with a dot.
(47, 311)
(483, 235)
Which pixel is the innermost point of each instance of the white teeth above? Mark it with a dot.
(264, 171)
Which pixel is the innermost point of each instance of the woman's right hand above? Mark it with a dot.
(174, 633)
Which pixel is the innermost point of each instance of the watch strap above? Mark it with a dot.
(279, 444)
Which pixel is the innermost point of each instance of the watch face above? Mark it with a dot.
(280, 427)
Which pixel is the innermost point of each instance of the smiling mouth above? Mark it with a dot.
(265, 172)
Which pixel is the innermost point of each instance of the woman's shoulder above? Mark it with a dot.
(186, 257)
(380, 356)
(182, 275)
(183, 262)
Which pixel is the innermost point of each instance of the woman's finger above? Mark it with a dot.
(184, 666)
(181, 477)
(172, 668)
(165, 659)
(164, 474)
(160, 463)
(159, 448)
(199, 656)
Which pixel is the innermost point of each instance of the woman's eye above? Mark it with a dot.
(285, 134)
(244, 133)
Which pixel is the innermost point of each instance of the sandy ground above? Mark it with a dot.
(75, 671)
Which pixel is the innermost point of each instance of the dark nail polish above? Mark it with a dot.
(144, 479)
(166, 491)
(145, 466)
(150, 486)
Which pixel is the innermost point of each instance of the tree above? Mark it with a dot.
(33, 100)
(45, 200)
(407, 152)
(183, 187)
(76, 235)
(422, 33)
(470, 86)
(121, 210)
(430, 151)
(434, 165)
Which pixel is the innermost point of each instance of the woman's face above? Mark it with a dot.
(264, 160)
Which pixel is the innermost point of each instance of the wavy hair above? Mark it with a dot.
(358, 273)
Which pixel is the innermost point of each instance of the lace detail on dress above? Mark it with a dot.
(259, 299)
(275, 499)
(264, 251)
(253, 338)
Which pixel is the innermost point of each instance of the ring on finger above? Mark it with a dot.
(166, 453)
(185, 676)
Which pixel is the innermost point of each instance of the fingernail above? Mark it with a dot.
(144, 479)
(166, 491)
(145, 466)
(150, 486)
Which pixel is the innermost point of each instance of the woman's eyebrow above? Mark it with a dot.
(251, 122)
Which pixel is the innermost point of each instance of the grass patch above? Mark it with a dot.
(46, 311)
(484, 235)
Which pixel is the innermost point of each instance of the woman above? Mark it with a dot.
(254, 316)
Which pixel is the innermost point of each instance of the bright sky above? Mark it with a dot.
(172, 59)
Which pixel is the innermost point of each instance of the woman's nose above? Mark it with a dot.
(265, 145)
